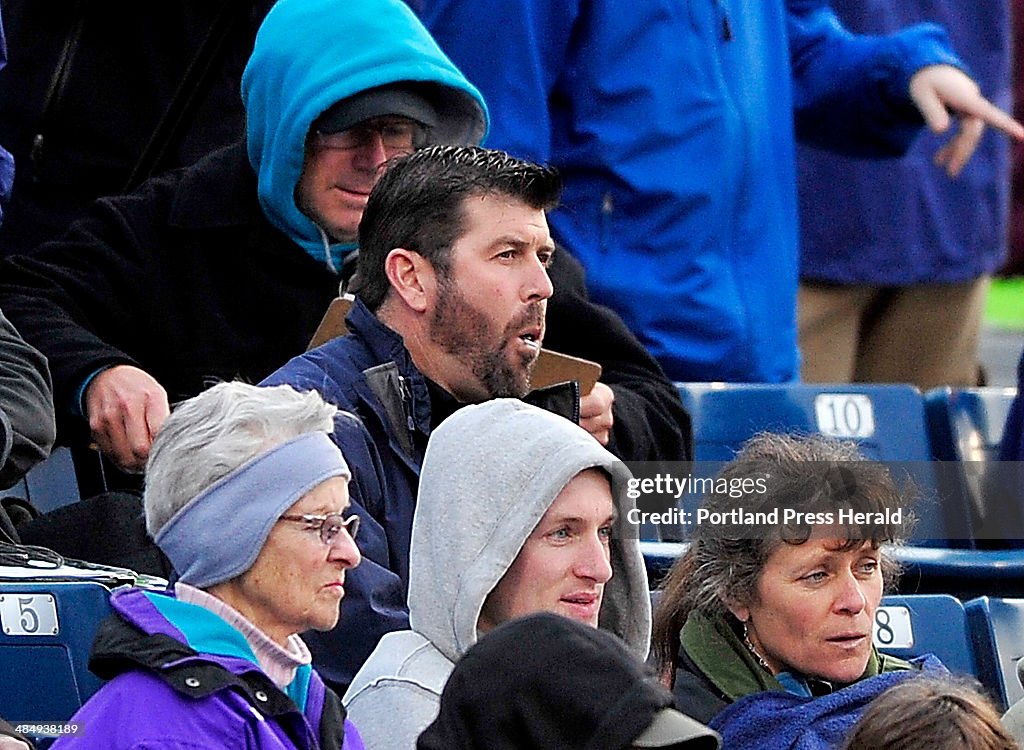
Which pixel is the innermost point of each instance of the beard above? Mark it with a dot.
(464, 332)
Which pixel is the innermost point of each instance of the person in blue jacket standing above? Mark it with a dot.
(894, 276)
(673, 124)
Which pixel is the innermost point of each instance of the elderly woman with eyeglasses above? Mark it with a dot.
(764, 626)
(248, 497)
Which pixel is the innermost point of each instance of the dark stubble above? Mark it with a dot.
(463, 331)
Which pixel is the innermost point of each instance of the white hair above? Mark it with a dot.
(209, 436)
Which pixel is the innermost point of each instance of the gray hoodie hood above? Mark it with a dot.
(490, 473)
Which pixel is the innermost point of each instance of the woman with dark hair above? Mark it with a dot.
(778, 588)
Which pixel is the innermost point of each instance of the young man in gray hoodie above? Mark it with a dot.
(519, 511)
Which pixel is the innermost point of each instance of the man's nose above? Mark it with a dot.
(538, 284)
(371, 153)
(593, 561)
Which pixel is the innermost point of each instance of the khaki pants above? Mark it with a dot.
(925, 334)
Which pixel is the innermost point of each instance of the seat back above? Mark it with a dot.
(45, 639)
(966, 424)
(997, 626)
(913, 625)
(51, 483)
(966, 427)
(887, 421)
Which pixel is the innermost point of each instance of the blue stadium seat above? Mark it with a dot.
(966, 427)
(962, 572)
(659, 557)
(997, 626)
(51, 483)
(966, 424)
(45, 639)
(886, 420)
(917, 624)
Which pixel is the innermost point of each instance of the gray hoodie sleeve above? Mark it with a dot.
(27, 428)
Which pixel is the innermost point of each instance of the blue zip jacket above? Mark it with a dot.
(903, 221)
(672, 122)
(369, 374)
(182, 678)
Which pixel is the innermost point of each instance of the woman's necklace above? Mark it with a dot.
(753, 651)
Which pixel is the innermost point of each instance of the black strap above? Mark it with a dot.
(186, 98)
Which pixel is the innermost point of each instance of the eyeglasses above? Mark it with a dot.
(329, 526)
(396, 135)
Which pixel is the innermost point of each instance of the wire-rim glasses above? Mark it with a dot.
(329, 525)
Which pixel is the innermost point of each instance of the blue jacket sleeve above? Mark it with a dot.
(851, 91)
(534, 33)
(374, 602)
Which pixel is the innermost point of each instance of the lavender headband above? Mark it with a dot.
(247, 502)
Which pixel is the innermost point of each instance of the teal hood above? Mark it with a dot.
(310, 54)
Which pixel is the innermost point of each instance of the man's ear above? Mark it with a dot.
(412, 278)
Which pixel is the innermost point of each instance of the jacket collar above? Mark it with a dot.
(716, 649)
(137, 636)
(398, 393)
(385, 346)
(226, 174)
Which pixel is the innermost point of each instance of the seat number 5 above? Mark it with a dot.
(28, 614)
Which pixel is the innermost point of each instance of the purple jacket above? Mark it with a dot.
(168, 690)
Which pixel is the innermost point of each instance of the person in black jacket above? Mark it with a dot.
(545, 681)
(216, 272)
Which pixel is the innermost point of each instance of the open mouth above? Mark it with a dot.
(532, 334)
(531, 340)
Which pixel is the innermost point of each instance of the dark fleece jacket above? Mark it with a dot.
(546, 681)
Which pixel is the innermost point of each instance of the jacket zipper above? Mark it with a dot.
(403, 386)
(726, 25)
